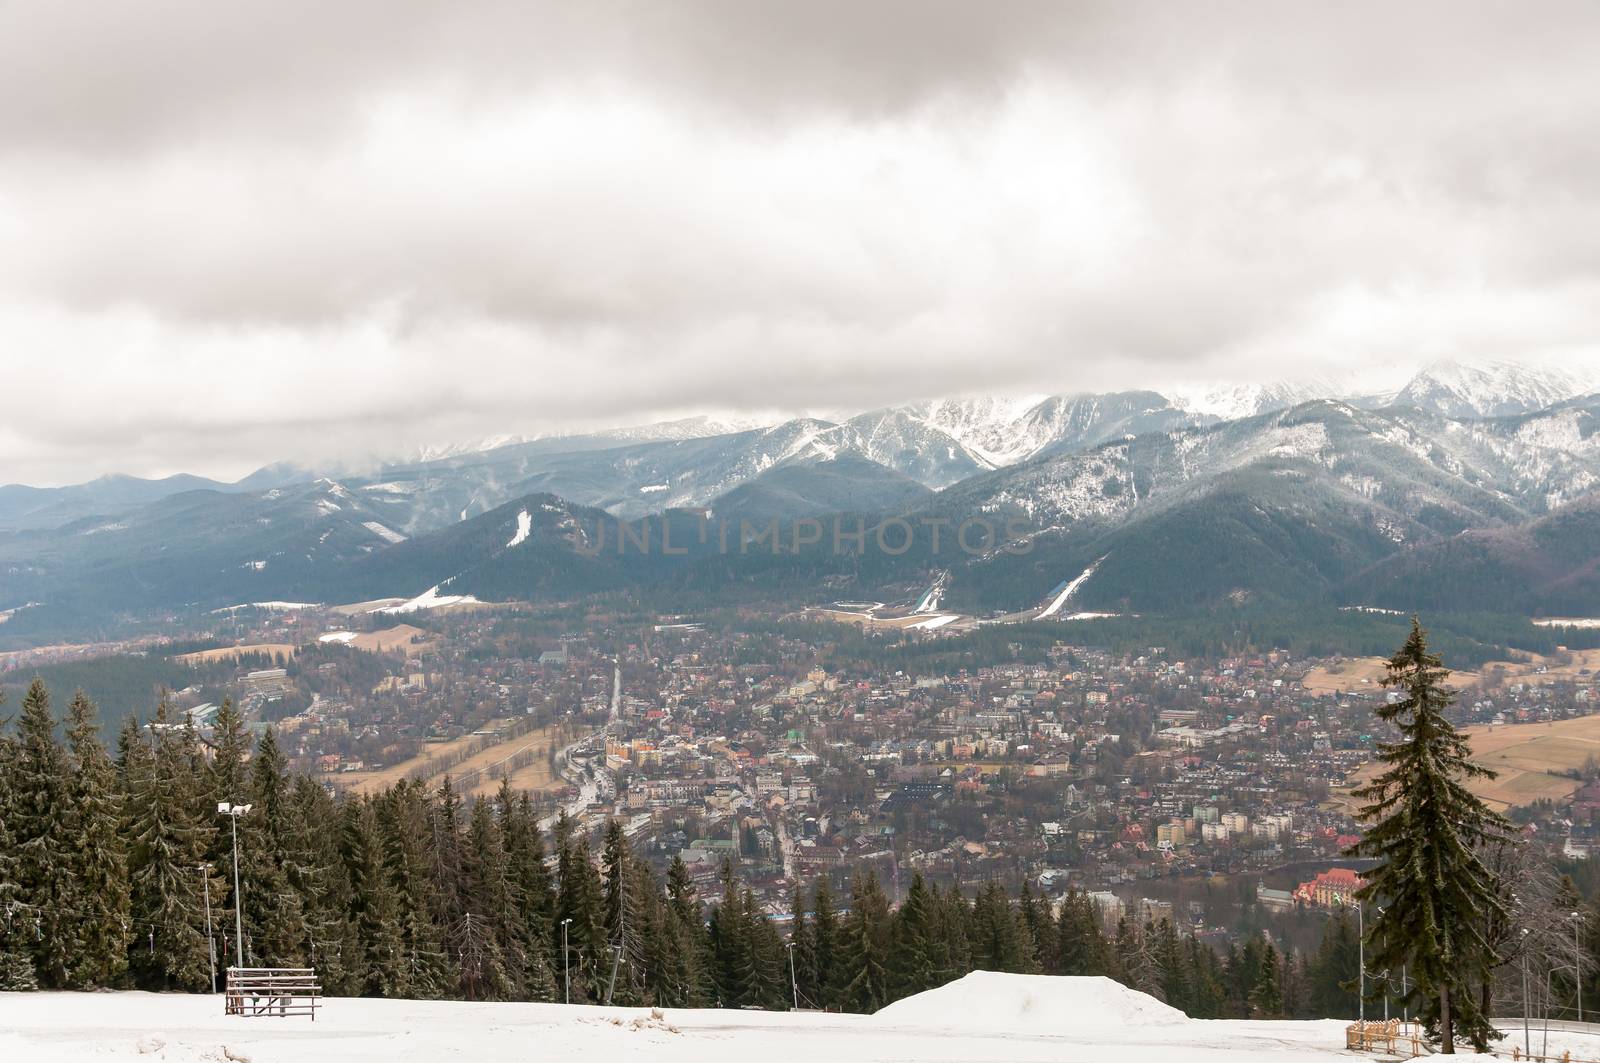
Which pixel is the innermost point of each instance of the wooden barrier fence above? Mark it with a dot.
(1392, 1035)
(272, 991)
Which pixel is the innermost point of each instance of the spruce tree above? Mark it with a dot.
(1081, 947)
(533, 901)
(316, 870)
(99, 864)
(381, 969)
(1266, 997)
(864, 947)
(39, 830)
(406, 821)
(825, 972)
(802, 945)
(911, 965)
(170, 840)
(728, 931)
(1425, 830)
(579, 899)
(488, 925)
(16, 962)
(275, 921)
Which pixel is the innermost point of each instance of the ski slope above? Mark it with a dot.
(1067, 591)
(983, 1018)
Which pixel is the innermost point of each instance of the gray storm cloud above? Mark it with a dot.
(231, 234)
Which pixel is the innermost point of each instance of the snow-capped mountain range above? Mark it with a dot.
(1174, 505)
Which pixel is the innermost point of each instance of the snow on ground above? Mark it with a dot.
(1569, 622)
(524, 528)
(983, 1018)
(934, 622)
(337, 636)
(429, 599)
(276, 607)
(388, 535)
(1068, 591)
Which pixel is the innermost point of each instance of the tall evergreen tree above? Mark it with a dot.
(488, 926)
(275, 921)
(16, 962)
(99, 865)
(533, 901)
(39, 829)
(826, 948)
(1081, 947)
(375, 908)
(864, 947)
(802, 945)
(911, 963)
(407, 823)
(167, 863)
(1266, 997)
(1426, 827)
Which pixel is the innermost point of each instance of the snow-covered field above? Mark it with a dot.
(984, 1018)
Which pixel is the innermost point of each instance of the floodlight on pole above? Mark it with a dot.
(794, 982)
(566, 970)
(1577, 958)
(211, 938)
(233, 812)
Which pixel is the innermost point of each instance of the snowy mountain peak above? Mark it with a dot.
(1232, 401)
(1494, 389)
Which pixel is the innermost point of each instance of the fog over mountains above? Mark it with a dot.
(1484, 474)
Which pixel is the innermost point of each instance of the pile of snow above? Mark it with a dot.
(990, 1002)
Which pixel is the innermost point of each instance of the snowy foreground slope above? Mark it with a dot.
(983, 1018)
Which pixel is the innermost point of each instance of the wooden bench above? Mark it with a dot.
(272, 991)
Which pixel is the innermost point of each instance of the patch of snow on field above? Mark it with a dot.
(1581, 622)
(934, 622)
(650, 489)
(276, 607)
(337, 636)
(429, 599)
(524, 528)
(388, 535)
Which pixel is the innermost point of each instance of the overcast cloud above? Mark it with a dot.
(236, 233)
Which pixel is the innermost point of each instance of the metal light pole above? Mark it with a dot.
(1527, 1042)
(1577, 959)
(794, 983)
(1361, 958)
(566, 970)
(233, 812)
(211, 939)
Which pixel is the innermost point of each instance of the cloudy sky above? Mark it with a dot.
(235, 233)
